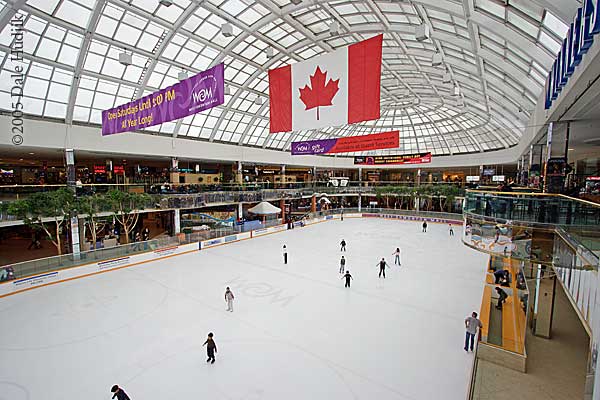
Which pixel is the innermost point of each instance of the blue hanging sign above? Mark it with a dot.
(580, 37)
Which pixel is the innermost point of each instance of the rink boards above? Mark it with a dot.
(66, 274)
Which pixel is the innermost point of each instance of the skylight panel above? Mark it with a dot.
(48, 49)
(74, 13)
(550, 43)
(491, 7)
(127, 34)
(522, 24)
(55, 110)
(555, 25)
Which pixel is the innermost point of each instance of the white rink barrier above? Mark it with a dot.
(67, 274)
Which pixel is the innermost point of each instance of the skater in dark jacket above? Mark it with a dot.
(343, 245)
(348, 277)
(424, 226)
(211, 348)
(119, 393)
(342, 265)
(382, 264)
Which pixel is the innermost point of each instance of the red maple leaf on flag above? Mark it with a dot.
(320, 94)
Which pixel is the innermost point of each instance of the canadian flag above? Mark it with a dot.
(338, 88)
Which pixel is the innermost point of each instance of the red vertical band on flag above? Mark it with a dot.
(364, 79)
(280, 99)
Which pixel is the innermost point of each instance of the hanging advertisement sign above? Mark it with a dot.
(190, 96)
(386, 140)
(556, 167)
(419, 158)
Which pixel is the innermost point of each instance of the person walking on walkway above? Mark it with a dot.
(211, 348)
(342, 265)
(229, 299)
(471, 324)
(348, 277)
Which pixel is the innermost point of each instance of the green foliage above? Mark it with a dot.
(125, 205)
(444, 194)
(57, 205)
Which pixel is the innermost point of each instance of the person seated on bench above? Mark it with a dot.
(501, 297)
(501, 276)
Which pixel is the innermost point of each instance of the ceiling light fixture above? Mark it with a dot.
(258, 100)
(334, 28)
(227, 29)
(182, 75)
(447, 78)
(227, 90)
(125, 58)
(270, 52)
(296, 2)
(166, 3)
(422, 32)
(436, 60)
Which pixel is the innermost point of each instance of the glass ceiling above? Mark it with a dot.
(495, 58)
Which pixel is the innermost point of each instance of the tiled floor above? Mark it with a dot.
(556, 368)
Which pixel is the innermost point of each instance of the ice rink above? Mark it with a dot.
(295, 333)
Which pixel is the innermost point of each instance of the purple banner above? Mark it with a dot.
(190, 96)
(386, 140)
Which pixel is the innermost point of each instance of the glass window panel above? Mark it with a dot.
(555, 25)
(73, 13)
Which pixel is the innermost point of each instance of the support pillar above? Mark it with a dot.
(359, 202)
(74, 221)
(240, 211)
(174, 175)
(282, 206)
(595, 343)
(239, 175)
(176, 222)
(313, 203)
(544, 303)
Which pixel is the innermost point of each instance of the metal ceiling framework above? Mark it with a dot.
(496, 52)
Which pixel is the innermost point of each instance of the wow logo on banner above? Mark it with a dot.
(190, 96)
(387, 140)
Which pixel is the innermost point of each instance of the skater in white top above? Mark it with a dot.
(229, 299)
(451, 230)
(397, 256)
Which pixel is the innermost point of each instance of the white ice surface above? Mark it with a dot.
(296, 332)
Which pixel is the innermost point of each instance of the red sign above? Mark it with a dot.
(99, 169)
(593, 178)
(119, 169)
(420, 158)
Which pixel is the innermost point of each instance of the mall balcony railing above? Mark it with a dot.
(534, 208)
(15, 192)
(525, 225)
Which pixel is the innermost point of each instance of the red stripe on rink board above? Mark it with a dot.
(280, 99)
(364, 79)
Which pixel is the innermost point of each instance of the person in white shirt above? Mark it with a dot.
(397, 256)
(284, 254)
(471, 324)
(229, 299)
(451, 230)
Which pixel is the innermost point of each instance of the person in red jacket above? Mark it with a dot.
(211, 348)
(119, 393)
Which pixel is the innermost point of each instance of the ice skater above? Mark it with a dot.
(424, 226)
(211, 348)
(119, 393)
(382, 264)
(348, 277)
(229, 299)
(471, 324)
(343, 245)
(451, 230)
(342, 265)
(284, 254)
(396, 255)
